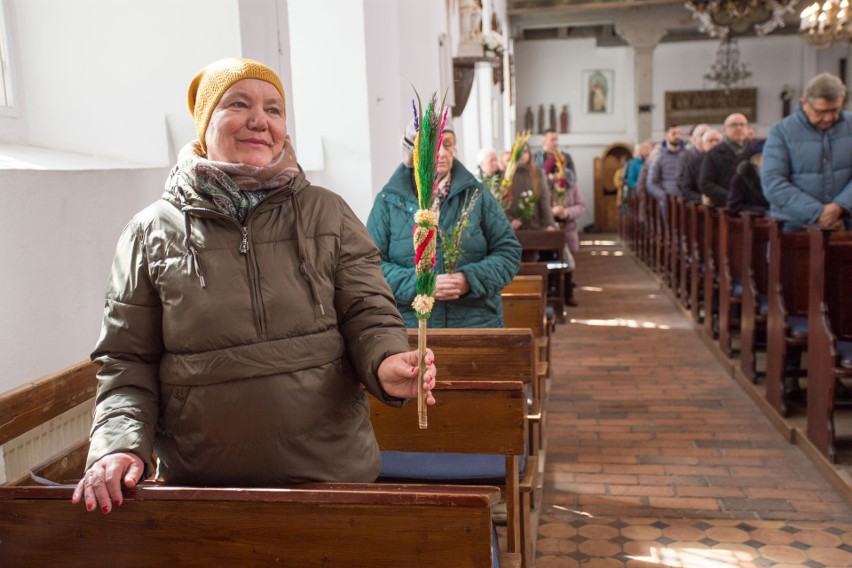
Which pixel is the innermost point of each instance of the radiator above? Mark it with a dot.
(18, 456)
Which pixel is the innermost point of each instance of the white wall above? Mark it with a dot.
(98, 74)
(403, 53)
(330, 95)
(550, 72)
(58, 232)
(99, 78)
(774, 61)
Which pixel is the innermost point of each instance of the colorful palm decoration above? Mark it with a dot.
(429, 126)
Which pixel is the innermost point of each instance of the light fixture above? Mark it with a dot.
(823, 24)
(719, 18)
(727, 71)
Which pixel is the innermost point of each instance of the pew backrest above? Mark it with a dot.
(357, 525)
(30, 405)
(482, 353)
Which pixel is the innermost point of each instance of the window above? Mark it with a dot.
(5, 75)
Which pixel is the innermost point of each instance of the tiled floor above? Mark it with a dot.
(656, 456)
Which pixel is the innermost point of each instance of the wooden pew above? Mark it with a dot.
(697, 267)
(493, 354)
(829, 332)
(524, 281)
(353, 525)
(534, 242)
(673, 266)
(471, 417)
(685, 253)
(730, 278)
(755, 286)
(787, 308)
(711, 270)
(525, 310)
(32, 404)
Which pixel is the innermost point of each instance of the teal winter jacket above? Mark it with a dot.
(491, 253)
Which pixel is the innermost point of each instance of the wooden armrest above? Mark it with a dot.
(527, 484)
(510, 560)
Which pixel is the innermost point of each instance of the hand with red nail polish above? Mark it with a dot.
(101, 485)
(398, 375)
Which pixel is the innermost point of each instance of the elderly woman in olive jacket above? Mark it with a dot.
(244, 311)
(491, 252)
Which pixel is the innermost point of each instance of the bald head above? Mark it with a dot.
(736, 127)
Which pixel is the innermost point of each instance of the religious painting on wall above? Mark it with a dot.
(597, 91)
(710, 106)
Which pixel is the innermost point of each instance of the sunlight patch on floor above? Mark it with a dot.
(698, 558)
(619, 322)
(598, 243)
(606, 253)
(591, 289)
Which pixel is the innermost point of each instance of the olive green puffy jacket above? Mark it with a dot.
(237, 353)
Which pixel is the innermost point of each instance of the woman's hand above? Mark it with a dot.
(451, 286)
(516, 224)
(101, 485)
(560, 212)
(398, 375)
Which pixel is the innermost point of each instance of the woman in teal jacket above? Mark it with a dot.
(491, 254)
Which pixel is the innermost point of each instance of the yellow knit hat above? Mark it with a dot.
(208, 86)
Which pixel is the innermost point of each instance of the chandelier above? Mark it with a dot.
(719, 18)
(727, 71)
(823, 24)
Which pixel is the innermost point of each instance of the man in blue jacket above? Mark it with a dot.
(807, 159)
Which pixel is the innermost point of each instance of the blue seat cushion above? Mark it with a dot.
(495, 548)
(762, 304)
(737, 288)
(426, 466)
(798, 327)
(844, 351)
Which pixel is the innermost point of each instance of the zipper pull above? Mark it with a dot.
(244, 244)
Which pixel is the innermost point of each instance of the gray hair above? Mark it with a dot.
(482, 155)
(707, 135)
(825, 86)
(407, 141)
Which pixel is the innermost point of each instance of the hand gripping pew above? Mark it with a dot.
(477, 433)
(352, 525)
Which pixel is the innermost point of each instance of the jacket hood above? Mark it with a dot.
(401, 181)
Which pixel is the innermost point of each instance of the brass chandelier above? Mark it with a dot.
(720, 18)
(727, 71)
(824, 23)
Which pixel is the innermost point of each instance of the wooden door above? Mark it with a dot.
(606, 194)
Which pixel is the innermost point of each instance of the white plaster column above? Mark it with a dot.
(643, 36)
(477, 120)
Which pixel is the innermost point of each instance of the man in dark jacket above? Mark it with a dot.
(720, 163)
(689, 162)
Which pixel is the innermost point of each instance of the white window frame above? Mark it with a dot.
(8, 98)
